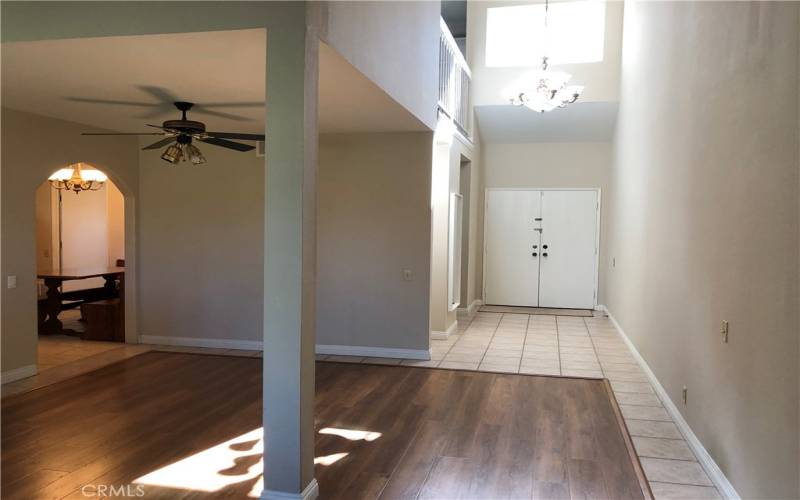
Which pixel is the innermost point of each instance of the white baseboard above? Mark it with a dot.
(437, 335)
(374, 352)
(18, 373)
(249, 345)
(311, 492)
(471, 309)
(716, 475)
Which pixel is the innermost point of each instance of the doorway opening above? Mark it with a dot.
(80, 260)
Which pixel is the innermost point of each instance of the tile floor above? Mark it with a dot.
(575, 347)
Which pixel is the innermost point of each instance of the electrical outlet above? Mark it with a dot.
(613, 262)
(407, 275)
(724, 331)
(11, 281)
(685, 394)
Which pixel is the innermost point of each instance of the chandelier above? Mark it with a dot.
(74, 178)
(546, 90)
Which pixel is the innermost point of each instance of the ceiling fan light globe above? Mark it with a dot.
(195, 155)
(172, 154)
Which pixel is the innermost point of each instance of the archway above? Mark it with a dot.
(81, 242)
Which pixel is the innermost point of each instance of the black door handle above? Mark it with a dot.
(535, 246)
(544, 246)
(534, 254)
(544, 254)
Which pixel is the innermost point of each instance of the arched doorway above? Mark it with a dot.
(80, 262)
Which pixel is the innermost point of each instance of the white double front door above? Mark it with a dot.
(541, 248)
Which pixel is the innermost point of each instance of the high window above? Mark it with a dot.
(516, 35)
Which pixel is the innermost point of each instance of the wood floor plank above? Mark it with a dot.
(431, 433)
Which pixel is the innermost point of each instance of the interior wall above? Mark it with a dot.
(705, 224)
(395, 44)
(84, 235)
(448, 154)
(25, 166)
(201, 248)
(44, 227)
(115, 206)
(556, 165)
(373, 222)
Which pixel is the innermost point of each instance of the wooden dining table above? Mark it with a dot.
(113, 288)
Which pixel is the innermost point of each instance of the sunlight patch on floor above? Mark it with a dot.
(234, 461)
(351, 434)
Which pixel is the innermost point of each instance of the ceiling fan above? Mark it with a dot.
(182, 132)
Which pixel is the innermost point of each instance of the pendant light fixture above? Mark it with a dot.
(545, 89)
(75, 178)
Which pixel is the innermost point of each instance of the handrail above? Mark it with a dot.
(454, 80)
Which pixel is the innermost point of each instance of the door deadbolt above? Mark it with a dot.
(544, 254)
(544, 246)
(534, 254)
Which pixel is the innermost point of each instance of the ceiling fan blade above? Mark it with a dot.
(122, 133)
(160, 93)
(159, 144)
(227, 144)
(235, 135)
(111, 101)
(254, 104)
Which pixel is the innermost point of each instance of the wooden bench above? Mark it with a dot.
(103, 320)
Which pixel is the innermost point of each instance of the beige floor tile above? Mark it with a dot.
(464, 357)
(498, 368)
(675, 471)
(669, 491)
(458, 365)
(675, 449)
(625, 376)
(653, 428)
(645, 413)
(571, 372)
(633, 398)
(539, 370)
(631, 387)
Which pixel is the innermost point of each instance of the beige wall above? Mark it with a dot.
(705, 224)
(201, 248)
(373, 221)
(395, 44)
(601, 79)
(24, 167)
(44, 227)
(555, 165)
(116, 223)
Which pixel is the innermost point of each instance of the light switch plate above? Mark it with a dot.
(407, 275)
(724, 331)
(11, 282)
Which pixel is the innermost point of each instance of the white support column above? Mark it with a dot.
(290, 258)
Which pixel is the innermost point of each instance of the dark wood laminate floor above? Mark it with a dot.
(161, 418)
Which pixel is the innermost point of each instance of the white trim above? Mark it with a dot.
(724, 486)
(374, 352)
(471, 309)
(19, 373)
(437, 335)
(596, 241)
(248, 345)
(311, 492)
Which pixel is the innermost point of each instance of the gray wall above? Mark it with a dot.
(202, 246)
(26, 164)
(555, 165)
(705, 224)
(374, 217)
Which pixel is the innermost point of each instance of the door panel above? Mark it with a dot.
(569, 230)
(512, 272)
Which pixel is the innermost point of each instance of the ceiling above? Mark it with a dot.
(578, 122)
(124, 83)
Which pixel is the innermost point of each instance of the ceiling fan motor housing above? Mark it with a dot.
(185, 126)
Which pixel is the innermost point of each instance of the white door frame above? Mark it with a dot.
(596, 239)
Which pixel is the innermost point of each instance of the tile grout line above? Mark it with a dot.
(594, 348)
(494, 332)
